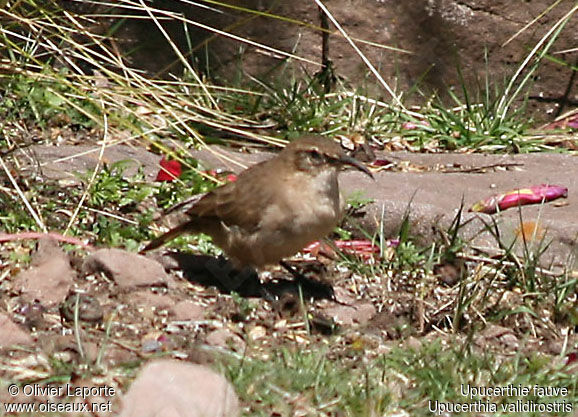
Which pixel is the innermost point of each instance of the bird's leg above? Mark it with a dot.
(267, 295)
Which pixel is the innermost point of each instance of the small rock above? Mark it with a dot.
(318, 323)
(343, 295)
(150, 299)
(555, 346)
(287, 305)
(166, 260)
(494, 335)
(510, 341)
(155, 342)
(257, 332)
(116, 356)
(171, 388)
(65, 347)
(56, 343)
(494, 331)
(11, 334)
(448, 273)
(351, 314)
(226, 339)
(126, 269)
(46, 250)
(91, 351)
(89, 308)
(397, 323)
(413, 343)
(188, 310)
(149, 304)
(33, 314)
(49, 278)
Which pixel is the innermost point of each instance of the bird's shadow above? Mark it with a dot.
(210, 271)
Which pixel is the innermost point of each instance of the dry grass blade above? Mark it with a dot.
(544, 13)
(297, 22)
(126, 93)
(92, 177)
(276, 52)
(174, 101)
(362, 56)
(178, 52)
(506, 100)
(77, 327)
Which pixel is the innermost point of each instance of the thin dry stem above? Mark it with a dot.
(27, 204)
(93, 176)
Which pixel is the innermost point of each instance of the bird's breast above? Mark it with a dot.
(307, 213)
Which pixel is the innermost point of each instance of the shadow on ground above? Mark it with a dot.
(210, 271)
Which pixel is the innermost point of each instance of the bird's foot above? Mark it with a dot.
(310, 287)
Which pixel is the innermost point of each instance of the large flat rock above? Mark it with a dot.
(435, 196)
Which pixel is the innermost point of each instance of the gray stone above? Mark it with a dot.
(11, 334)
(167, 388)
(49, 278)
(435, 197)
(188, 310)
(225, 338)
(437, 36)
(126, 269)
(351, 314)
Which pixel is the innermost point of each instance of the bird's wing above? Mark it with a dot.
(235, 203)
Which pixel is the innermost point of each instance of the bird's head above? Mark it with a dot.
(313, 154)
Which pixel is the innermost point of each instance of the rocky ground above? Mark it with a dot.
(100, 309)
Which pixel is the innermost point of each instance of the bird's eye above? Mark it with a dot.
(315, 155)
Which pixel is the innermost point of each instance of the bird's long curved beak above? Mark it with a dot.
(348, 160)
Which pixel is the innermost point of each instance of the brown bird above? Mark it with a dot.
(274, 208)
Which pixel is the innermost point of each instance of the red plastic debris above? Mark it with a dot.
(362, 248)
(170, 170)
(519, 197)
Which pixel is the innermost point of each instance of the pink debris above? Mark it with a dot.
(532, 195)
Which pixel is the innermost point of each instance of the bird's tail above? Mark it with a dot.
(164, 238)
